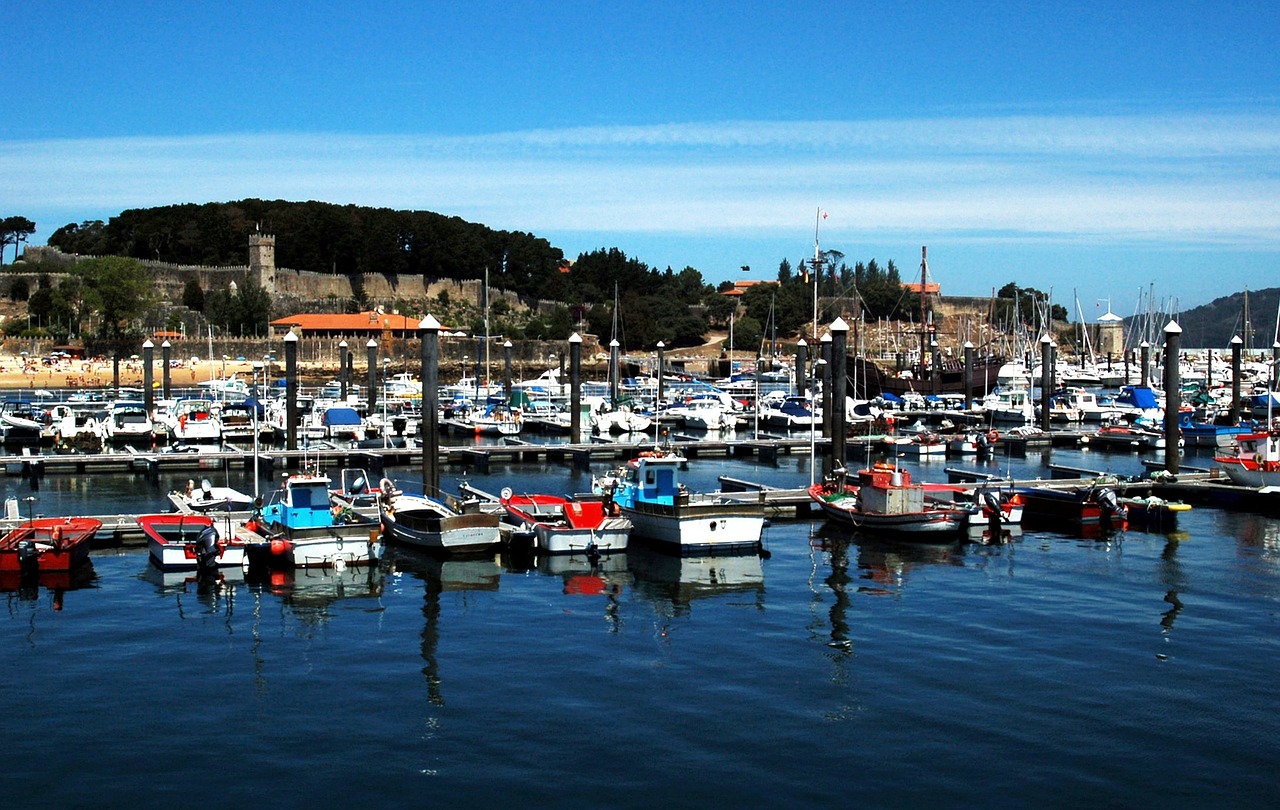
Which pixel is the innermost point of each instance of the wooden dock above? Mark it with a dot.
(376, 459)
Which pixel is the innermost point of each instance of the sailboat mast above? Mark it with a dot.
(487, 337)
(924, 330)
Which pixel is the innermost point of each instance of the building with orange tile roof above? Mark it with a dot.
(365, 325)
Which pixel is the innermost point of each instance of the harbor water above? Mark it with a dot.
(1050, 670)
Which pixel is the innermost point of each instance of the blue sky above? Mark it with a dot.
(1095, 147)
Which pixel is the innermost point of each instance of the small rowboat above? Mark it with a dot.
(180, 541)
(48, 544)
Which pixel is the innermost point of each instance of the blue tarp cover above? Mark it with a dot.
(341, 416)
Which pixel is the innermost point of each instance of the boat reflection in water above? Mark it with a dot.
(214, 588)
(311, 592)
(27, 586)
(593, 576)
(439, 575)
(678, 580)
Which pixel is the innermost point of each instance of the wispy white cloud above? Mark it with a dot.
(1207, 178)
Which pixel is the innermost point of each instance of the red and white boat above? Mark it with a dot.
(564, 525)
(884, 500)
(178, 541)
(48, 544)
(1256, 461)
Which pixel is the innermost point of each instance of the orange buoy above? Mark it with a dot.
(279, 547)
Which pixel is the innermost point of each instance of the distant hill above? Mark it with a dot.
(323, 238)
(1215, 323)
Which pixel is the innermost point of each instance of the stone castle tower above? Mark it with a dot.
(262, 261)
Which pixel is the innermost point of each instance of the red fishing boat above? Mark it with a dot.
(178, 541)
(48, 544)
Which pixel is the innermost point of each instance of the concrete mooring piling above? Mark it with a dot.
(148, 376)
(115, 371)
(968, 375)
(372, 396)
(1144, 377)
(662, 354)
(825, 362)
(839, 349)
(164, 370)
(291, 391)
(342, 368)
(802, 368)
(429, 331)
(1046, 381)
(1172, 394)
(1237, 346)
(935, 371)
(614, 347)
(575, 387)
(506, 370)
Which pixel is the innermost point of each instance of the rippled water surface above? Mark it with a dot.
(1050, 671)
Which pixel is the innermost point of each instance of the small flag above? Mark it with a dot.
(804, 273)
(824, 214)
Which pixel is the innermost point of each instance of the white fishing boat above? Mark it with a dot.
(649, 493)
(1256, 460)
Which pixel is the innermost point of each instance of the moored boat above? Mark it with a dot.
(1074, 508)
(298, 527)
(47, 544)
(885, 500)
(565, 525)
(649, 493)
(183, 542)
(433, 525)
(1256, 460)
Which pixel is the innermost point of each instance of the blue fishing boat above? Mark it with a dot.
(1206, 434)
(299, 527)
(649, 493)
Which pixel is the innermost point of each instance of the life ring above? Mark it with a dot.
(993, 435)
(386, 486)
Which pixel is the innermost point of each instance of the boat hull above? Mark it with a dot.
(698, 526)
(933, 525)
(1248, 474)
(427, 529)
(318, 547)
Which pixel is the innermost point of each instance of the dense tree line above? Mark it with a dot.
(324, 238)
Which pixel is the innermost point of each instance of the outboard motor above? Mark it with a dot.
(1108, 505)
(991, 500)
(28, 559)
(207, 550)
